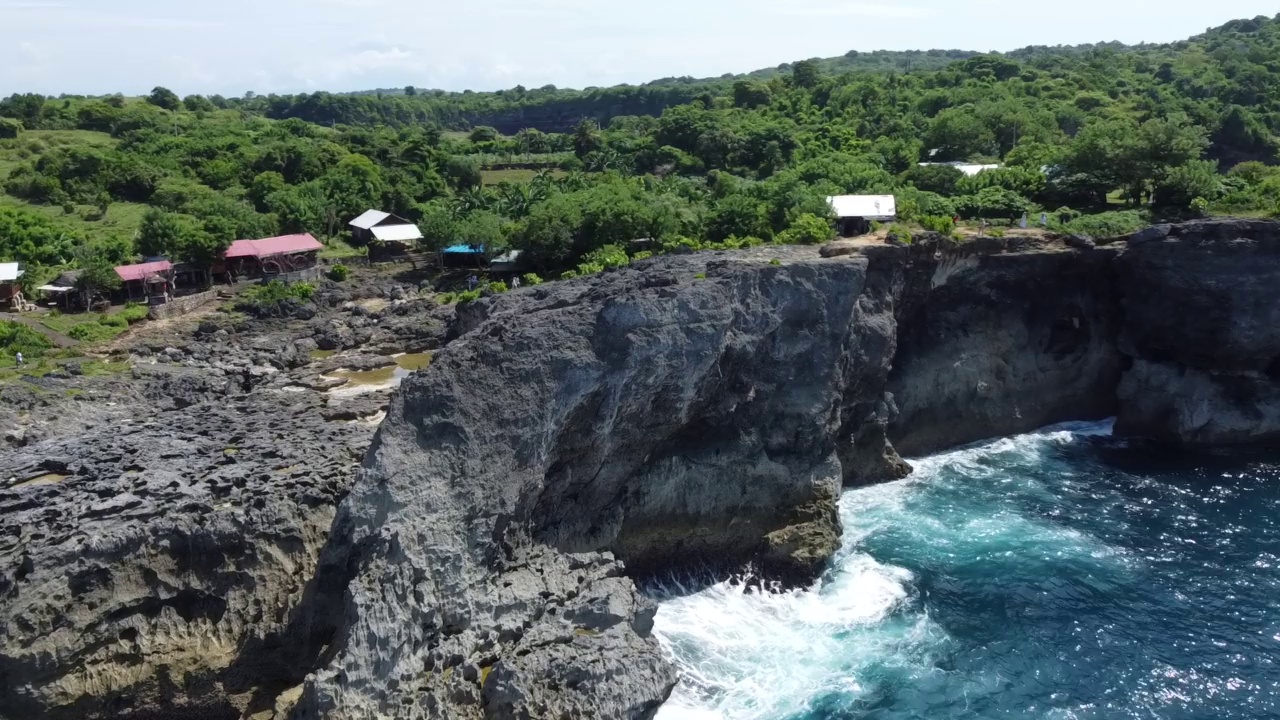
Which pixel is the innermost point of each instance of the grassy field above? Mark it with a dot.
(515, 177)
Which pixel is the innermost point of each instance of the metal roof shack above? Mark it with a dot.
(9, 272)
(143, 271)
(969, 169)
(869, 207)
(284, 245)
(369, 219)
(396, 233)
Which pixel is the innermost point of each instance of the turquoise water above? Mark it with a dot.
(1059, 575)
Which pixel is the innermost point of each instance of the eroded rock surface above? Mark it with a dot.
(1202, 323)
(647, 414)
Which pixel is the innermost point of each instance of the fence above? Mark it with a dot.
(182, 305)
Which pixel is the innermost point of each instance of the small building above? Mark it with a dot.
(463, 256)
(151, 282)
(507, 263)
(969, 169)
(855, 213)
(389, 237)
(10, 290)
(63, 293)
(289, 258)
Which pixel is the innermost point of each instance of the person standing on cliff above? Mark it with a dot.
(22, 361)
(515, 283)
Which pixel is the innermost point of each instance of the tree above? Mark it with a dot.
(438, 226)
(198, 103)
(1182, 185)
(958, 134)
(941, 179)
(805, 74)
(26, 108)
(738, 216)
(264, 186)
(164, 98)
(586, 138)
(750, 94)
(807, 230)
(410, 90)
(168, 233)
(482, 134)
(10, 128)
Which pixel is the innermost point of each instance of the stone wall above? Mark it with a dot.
(182, 305)
(304, 275)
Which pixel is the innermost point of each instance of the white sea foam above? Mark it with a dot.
(750, 655)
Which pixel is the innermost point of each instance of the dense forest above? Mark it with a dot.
(1101, 138)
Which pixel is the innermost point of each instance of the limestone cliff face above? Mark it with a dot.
(1001, 337)
(1202, 324)
(672, 421)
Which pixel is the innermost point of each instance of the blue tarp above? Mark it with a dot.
(464, 250)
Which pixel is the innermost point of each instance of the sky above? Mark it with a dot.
(233, 46)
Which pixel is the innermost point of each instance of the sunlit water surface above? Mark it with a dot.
(1062, 575)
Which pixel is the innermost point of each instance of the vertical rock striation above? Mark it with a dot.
(1202, 325)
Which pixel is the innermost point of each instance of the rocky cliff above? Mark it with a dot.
(684, 415)
(1202, 326)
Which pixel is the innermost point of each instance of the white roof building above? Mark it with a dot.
(369, 219)
(397, 233)
(9, 272)
(870, 207)
(968, 169)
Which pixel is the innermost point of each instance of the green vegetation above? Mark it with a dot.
(339, 272)
(18, 338)
(96, 328)
(1103, 138)
(273, 298)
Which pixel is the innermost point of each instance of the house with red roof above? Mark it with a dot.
(289, 257)
(151, 281)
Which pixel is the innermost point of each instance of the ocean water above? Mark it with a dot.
(1058, 575)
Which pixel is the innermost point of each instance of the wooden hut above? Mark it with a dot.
(287, 258)
(149, 282)
(10, 290)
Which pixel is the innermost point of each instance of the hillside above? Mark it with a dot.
(1100, 139)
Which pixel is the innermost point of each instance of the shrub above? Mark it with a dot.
(91, 332)
(775, 261)
(18, 338)
(642, 255)
(114, 321)
(339, 272)
(134, 313)
(807, 229)
(497, 287)
(1108, 224)
(700, 276)
(607, 256)
(992, 202)
(268, 299)
(468, 296)
(447, 298)
(898, 236)
(996, 233)
(531, 279)
(938, 224)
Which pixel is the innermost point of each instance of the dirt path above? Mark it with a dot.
(62, 341)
